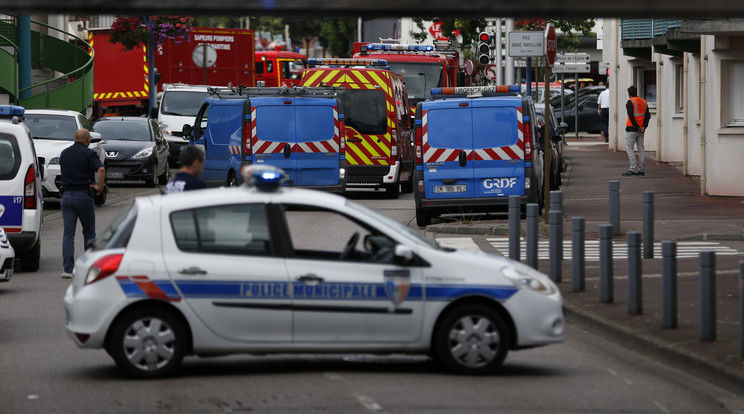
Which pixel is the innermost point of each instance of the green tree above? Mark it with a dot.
(305, 29)
(469, 28)
(337, 35)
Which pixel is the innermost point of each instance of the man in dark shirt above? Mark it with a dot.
(78, 165)
(192, 164)
(635, 127)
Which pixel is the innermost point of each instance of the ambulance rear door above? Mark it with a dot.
(498, 147)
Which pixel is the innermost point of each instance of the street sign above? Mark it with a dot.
(436, 31)
(469, 67)
(527, 44)
(551, 44)
(490, 72)
(572, 57)
(571, 68)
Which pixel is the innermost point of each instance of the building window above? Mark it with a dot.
(737, 93)
(679, 89)
(645, 81)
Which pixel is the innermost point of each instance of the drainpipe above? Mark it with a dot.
(703, 105)
(659, 79)
(685, 112)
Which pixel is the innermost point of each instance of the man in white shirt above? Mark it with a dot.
(603, 110)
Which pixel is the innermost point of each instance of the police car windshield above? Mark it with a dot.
(58, 127)
(399, 227)
(419, 77)
(182, 103)
(365, 111)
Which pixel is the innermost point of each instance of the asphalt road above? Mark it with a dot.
(43, 371)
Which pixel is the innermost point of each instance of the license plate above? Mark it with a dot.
(114, 174)
(444, 189)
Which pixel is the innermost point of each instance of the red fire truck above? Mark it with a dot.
(210, 57)
(279, 67)
(423, 66)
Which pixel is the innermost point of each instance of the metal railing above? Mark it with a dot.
(640, 29)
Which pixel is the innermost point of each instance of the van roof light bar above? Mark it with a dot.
(399, 47)
(476, 91)
(347, 62)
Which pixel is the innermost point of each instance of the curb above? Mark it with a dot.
(646, 345)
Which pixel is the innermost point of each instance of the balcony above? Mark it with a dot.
(643, 37)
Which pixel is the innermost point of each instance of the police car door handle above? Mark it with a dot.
(193, 270)
(287, 151)
(310, 277)
(463, 158)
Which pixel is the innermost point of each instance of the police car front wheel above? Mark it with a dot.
(472, 339)
(148, 343)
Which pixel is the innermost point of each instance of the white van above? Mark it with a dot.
(21, 207)
(178, 106)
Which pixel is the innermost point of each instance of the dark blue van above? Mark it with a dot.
(475, 147)
(299, 130)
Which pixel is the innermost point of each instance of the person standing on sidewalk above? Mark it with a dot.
(635, 127)
(192, 164)
(603, 110)
(78, 165)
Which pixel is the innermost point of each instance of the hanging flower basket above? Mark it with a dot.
(134, 32)
(530, 24)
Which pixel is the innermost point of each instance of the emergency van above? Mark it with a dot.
(299, 130)
(475, 147)
(279, 67)
(379, 145)
(178, 105)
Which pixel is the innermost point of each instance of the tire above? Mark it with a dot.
(152, 179)
(30, 260)
(163, 179)
(148, 343)
(407, 186)
(232, 179)
(393, 190)
(423, 218)
(472, 339)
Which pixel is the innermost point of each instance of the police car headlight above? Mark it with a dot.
(147, 152)
(528, 278)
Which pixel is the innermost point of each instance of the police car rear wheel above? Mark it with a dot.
(472, 339)
(148, 342)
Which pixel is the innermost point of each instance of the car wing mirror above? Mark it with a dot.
(403, 254)
(187, 131)
(95, 137)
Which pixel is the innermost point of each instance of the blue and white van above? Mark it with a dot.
(299, 130)
(475, 147)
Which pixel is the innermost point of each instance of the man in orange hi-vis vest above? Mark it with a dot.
(635, 127)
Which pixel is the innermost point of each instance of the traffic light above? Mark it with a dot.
(484, 48)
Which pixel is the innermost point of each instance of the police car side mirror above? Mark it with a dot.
(562, 128)
(186, 131)
(403, 254)
(42, 168)
(95, 137)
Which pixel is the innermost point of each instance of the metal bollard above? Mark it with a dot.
(578, 254)
(606, 294)
(556, 204)
(648, 224)
(533, 211)
(741, 307)
(514, 230)
(707, 296)
(669, 284)
(635, 274)
(556, 242)
(615, 206)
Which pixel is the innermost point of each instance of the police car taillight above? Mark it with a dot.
(103, 268)
(29, 189)
(263, 177)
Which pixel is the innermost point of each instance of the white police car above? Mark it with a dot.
(268, 269)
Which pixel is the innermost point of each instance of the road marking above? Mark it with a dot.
(369, 403)
(661, 407)
(333, 376)
(685, 249)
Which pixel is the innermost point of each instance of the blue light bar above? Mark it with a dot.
(263, 177)
(400, 47)
(347, 62)
(8, 111)
(476, 90)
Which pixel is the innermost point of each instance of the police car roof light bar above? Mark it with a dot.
(9, 111)
(263, 177)
(474, 91)
(400, 47)
(347, 62)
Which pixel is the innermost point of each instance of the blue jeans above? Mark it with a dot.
(76, 205)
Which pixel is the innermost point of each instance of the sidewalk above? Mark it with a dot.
(680, 214)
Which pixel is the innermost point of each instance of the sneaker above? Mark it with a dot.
(641, 173)
(626, 174)
(66, 275)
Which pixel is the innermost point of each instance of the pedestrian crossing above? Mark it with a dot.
(685, 249)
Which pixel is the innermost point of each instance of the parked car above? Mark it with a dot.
(241, 270)
(136, 149)
(20, 188)
(558, 139)
(588, 119)
(7, 256)
(53, 130)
